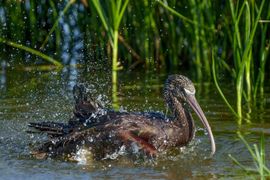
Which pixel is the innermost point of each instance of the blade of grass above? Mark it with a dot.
(218, 87)
(70, 2)
(239, 164)
(184, 18)
(101, 15)
(32, 51)
(258, 156)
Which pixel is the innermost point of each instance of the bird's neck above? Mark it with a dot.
(181, 116)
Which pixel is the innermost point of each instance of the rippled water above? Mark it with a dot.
(30, 96)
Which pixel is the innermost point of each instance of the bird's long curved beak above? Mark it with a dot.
(198, 110)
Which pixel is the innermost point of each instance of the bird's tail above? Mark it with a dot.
(53, 129)
(85, 109)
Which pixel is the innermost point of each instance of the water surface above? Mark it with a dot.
(47, 96)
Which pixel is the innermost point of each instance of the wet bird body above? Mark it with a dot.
(104, 131)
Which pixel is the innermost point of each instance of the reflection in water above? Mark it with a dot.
(3, 75)
(71, 74)
(72, 46)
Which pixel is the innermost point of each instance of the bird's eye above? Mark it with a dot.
(189, 92)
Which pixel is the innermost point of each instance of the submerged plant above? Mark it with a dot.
(258, 157)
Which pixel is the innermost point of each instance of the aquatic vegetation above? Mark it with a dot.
(111, 22)
(55, 25)
(258, 157)
(202, 31)
(151, 35)
(244, 70)
(32, 51)
(242, 48)
(218, 87)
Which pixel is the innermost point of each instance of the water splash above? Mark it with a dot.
(83, 156)
(122, 151)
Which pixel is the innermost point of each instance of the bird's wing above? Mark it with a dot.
(96, 140)
(53, 129)
(86, 110)
(104, 138)
(131, 137)
(140, 130)
(85, 107)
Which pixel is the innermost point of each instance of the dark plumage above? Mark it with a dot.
(104, 131)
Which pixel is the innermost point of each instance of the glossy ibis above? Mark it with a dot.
(103, 131)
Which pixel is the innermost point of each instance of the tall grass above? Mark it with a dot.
(244, 70)
(258, 157)
(55, 25)
(242, 47)
(154, 35)
(32, 51)
(200, 21)
(111, 17)
(218, 87)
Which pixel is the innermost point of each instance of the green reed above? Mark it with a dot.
(243, 33)
(55, 25)
(218, 87)
(57, 29)
(157, 35)
(258, 157)
(201, 31)
(33, 23)
(149, 24)
(243, 39)
(15, 30)
(263, 55)
(32, 51)
(111, 18)
(22, 28)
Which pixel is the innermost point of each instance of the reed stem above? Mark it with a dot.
(114, 71)
(218, 87)
(70, 2)
(32, 51)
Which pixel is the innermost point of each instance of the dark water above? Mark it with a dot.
(39, 96)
